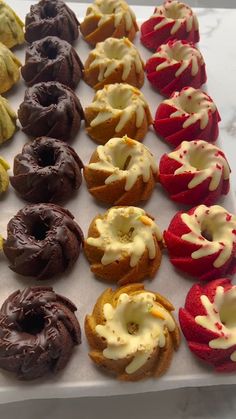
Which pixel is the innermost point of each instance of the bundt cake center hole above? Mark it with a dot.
(114, 53)
(49, 50)
(117, 100)
(47, 100)
(107, 8)
(39, 230)
(132, 328)
(32, 323)
(207, 235)
(227, 310)
(46, 157)
(125, 236)
(49, 11)
(175, 12)
(178, 54)
(198, 160)
(122, 162)
(190, 105)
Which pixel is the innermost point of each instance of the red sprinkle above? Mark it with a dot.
(218, 325)
(228, 217)
(234, 231)
(218, 166)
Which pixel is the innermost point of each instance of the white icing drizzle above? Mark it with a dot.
(118, 100)
(219, 224)
(108, 9)
(177, 12)
(151, 330)
(114, 155)
(113, 53)
(193, 103)
(204, 160)
(220, 318)
(178, 52)
(125, 231)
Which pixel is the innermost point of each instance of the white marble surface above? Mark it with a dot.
(183, 403)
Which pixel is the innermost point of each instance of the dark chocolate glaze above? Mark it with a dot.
(51, 18)
(47, 170)
(52, 59)
(38, 330)
(51, 109)
(42, 240)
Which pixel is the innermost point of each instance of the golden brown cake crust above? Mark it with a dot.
(120, 270)
(97, 26)
(116, 192)
(107, 129)
(159, 360)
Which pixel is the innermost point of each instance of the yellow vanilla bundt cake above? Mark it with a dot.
(114, 61)
(7, 120)
(117, 110)
(11, 26)
(4, 178)
(132, 333)
(123, 245)
(105, 18)
(122, 172)
(9, 69)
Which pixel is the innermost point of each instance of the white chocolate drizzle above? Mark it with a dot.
(178, 52)
(113, 53)
(220, 318)
(119, 100)
(219, 224)
(114, 155)
(125, 231)
(177, 13)
(204, 160)
(109, 9)
(137, 310)
(193, 103)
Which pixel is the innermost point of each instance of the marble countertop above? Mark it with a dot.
(188, 403)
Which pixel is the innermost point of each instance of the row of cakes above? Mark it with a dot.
(147, 232)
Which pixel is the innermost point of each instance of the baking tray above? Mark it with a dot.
(81, 377)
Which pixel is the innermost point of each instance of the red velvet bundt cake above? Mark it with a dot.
(195, 173)
(202, 242)
(175, 65)
(172, 20)
(188, 115)
(208, 323)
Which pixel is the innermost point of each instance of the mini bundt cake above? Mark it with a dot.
(208, 323)
(9, 69)
(42, 240)
(38, 331)
(114, 61)
(117, 110)
(47, 170)
(132, 333)
(195, 173)
(52, 59)
(188, 115)
(123, 245)
(108, 18)
(175, 65)
(51, 18)
(4, 178)
(202, 242)
(7, 120)
(50, 109)
(11, 26)
(122, 172)
(172, 20)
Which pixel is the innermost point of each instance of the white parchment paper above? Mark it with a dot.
(81, 377)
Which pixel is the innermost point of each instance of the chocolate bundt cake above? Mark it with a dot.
(42, 240)
(51, 18)
(38, 330)
(47, 170)
(51, 109)
(52, 59)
